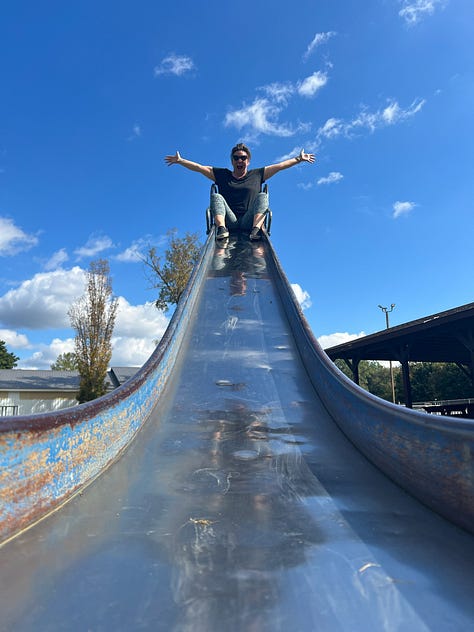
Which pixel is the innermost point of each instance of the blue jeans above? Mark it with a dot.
(220, 207)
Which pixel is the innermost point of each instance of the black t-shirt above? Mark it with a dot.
(239, 193)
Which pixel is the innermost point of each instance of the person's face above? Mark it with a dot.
(240, 162)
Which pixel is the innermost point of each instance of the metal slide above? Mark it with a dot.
(240, 505)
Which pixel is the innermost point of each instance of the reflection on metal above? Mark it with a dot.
(247, 508)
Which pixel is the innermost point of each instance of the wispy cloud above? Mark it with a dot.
(309, 86)
(390, 115)
(174, 64)
(279, 92)
(333, 177)
(262, 115)
(136, 132)
(13, 239)
(402, 208)
(134, 252)
(305, 186)
(94, 246)
(57, 259)
(318, 39)
(413, 11)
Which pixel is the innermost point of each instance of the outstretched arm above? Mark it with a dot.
(189, 164)
(286, 164)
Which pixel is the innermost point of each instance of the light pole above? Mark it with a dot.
(387, 311)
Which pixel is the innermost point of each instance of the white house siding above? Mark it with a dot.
(9, 404)
(31, 403)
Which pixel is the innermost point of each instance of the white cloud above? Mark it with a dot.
(309, 86)
(280, 92)
(261, 117)
(136, 132)
(332, 128)
(305, 186)
(13, 239)
(13, 339)
(134, 252)
(318, 39)
(136, 329)
(415, 10)
(390, 115)
(393, 113)
(42, 302)
(402, 208)
(45, 354)
(174, 64)
(338, 338)
(131, 351)
(57, 259)
(334, 176)
(139, 321)
(302, 296)
(95, 245)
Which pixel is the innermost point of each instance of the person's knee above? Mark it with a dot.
(261, 203)
(217, 204)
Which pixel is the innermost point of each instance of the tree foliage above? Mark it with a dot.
(7, 360)
(93, 319)
(65, 362)
(373, 377)
(170, 274)
(430, 381)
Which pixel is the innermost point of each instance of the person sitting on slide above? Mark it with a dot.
(240, 204)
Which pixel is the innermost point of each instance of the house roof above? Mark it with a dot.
(33, 380)
(120, 374)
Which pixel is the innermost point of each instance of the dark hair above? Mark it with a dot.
(241, 147)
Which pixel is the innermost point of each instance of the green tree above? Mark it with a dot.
(170, 276)
(373, 377)
(7, 360)
(432, 381)
(65, 362)
(93, 319)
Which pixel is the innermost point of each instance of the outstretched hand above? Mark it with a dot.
(173, 160)
(304, 157)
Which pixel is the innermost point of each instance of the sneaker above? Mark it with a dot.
(255, 234)
(222, 232)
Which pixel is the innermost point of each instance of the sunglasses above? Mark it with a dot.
(236, 158)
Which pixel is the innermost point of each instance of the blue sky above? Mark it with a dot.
(95, 94)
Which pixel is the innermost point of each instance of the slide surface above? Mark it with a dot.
(240, 505)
